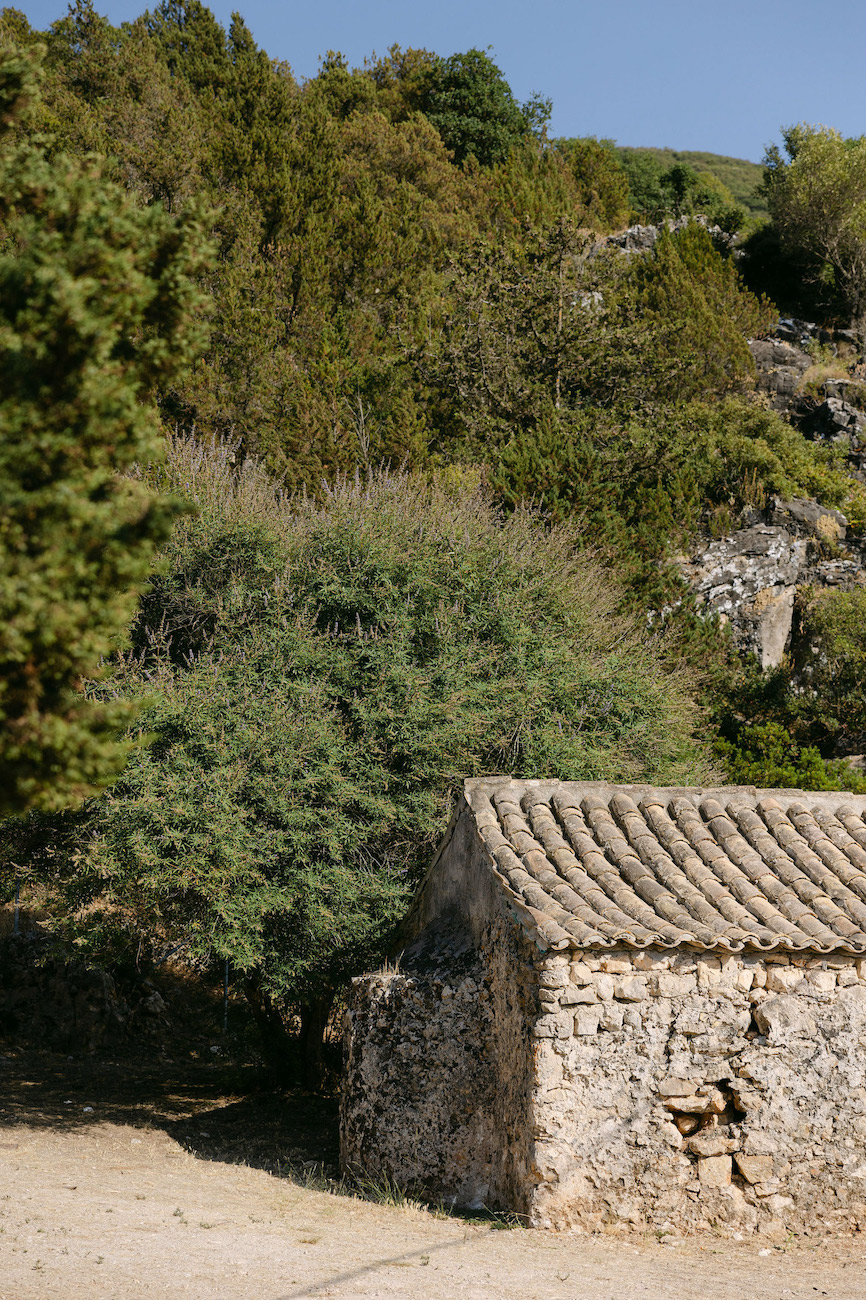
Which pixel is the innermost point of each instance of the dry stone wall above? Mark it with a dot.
(680, 1091)
(438, 1073)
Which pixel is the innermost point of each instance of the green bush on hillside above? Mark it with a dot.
(642, 487)
(321, 679)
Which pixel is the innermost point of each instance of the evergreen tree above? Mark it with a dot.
(471, 105)
(97, 307)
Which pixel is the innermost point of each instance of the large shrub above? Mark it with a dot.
(322, 678)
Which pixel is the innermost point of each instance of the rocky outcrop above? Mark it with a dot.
(750, 578)
(782, 361)
(780, 368)
(640, 239)
(836, 420)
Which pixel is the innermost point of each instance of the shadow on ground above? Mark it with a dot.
(217, 1110)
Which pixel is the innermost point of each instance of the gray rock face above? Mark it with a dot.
(780, 368)
(750, 578)
(837, 421)
(781, 362)
(640, 239)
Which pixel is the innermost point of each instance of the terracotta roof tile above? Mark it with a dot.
(590, 865)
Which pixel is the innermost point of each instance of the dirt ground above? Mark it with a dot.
(135, 1178)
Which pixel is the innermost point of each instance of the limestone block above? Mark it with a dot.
(587, 1020)
(548, 1067)
(755, 1169)
(611, 1016)
(709, 973)
(821, 980)
(773, 1229)
(553, 1026)
(715, 1171)
(745, 1097)
(647, 960)
(744, 980)
(554, 975)
(672, 1087)
(782, 979)
(580, 973)
(711, 1103)
(615, 965)
(852, 1001)
(676, 986)
(845, 978)
(630, 988)
(712, 1142)
(603, 985)
(574, 994)
(783, 1017)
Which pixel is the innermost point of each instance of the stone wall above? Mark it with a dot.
(438, 1073)
(67, 1006)
(678, 1091)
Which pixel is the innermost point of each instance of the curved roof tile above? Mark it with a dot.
(591, 865)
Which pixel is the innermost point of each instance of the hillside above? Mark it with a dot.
(740, 176)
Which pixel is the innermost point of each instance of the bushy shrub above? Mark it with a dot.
(322, 678)
(766, 755)
(703, 312)
(642, 487)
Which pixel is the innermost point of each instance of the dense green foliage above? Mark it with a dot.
(817, 199)
(740, 179)
(405, 271)
(97, 308)
(338, 205)
(321, 679)
(643, 490)
(657, 195)
(471, 106)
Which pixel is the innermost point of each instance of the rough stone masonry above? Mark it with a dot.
(586, 1083)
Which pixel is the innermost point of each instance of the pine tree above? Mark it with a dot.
(97, 305)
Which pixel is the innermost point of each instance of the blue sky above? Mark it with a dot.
(681, 73)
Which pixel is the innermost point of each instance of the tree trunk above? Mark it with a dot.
(314, 1022)
(279, 1047)
(291, 1059)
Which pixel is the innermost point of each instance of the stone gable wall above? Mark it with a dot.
(438, 1072)
(679, 1091)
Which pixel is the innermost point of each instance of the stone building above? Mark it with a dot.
(626, 1007)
